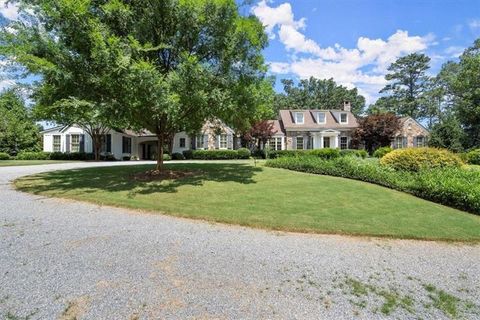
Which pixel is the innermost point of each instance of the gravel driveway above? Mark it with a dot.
(66, 260)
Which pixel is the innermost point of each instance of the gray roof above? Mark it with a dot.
(310, 122)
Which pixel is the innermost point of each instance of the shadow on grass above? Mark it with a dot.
(119, 178)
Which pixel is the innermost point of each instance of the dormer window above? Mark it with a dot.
(299, 117)
(321, 117)
(343, 118)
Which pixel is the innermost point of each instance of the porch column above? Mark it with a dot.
(336, 141)
(321, 141)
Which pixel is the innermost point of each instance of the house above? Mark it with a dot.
(129, 144)
(313, 129)
(411, 134)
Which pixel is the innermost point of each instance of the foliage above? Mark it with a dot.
(78, 156)
(473, 157)
(18, 131)
(354, 153)
(325, 153)
(28, 155)
(260, 132)
(380, 152)
(416, 159)
(178, 156)
(241, 153)
(447, 134)
(166, 157)
(451, 186)
(4, 156)
(376, 130)
(315, 93)
(188, 154)
(408, 83)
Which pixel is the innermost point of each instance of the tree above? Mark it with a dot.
(447, 134)
(260, 133)
(18, 131)
(68, 46)
(408, 84)
(315, 93)
(375, 131)
(382, 105)
(465, 87)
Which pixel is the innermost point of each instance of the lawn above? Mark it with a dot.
(9, 163)
(264, 197)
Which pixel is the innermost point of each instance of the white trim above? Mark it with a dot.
(219, 137)
(340, 118)
(296, 142)
(295, 117)
(324, 117)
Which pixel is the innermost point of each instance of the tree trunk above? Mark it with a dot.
(161, 138)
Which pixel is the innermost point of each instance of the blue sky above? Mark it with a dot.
(353, 41)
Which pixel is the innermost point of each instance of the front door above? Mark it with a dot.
(326, 142)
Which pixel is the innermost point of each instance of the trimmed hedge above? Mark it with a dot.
(27, 155)
(78, 156)
(381, 152)
(473, 157)
(416, 159)
(241, 153)
(4, 156)
(178, 156)
(354, 153)
(451, 186)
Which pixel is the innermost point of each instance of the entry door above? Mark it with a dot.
(326, 142)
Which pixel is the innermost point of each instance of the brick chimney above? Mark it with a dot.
(347, 106)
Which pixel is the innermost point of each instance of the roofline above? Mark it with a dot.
(421, 125)
(57, 128)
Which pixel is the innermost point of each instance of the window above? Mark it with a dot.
(56, 143)
(182, 143)
(420, 141)
(326, 142)
(275, 143)
(299, 143)
(222, 141)
(75, 143)
(106, 143)
(398, 142)
(343, 118)
(343, 142)
(321, 117)
(126, 145)
(200, 142)
(299, 117)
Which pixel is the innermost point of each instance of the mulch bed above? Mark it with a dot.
(153, 175)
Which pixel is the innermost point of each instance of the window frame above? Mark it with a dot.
(302, 143)
(423, 141)
(324, 118)
(296, 119)
(221, 141)
(396, 143)
(346, 117)
(275, 143)
(180, 144)
(341, 143)
(55, 144)
(126, 144)
(201, 145)
(75, 147)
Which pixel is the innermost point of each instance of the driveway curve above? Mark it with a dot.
(68, 260)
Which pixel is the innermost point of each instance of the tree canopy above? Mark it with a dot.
(315, 93)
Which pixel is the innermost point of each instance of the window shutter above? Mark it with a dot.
(217, 142)
(109, 143)
(405, 142)
(229, 141)
(82, 143)
(415, 142)
(294, 143)
(67, 144)
(193, 142)
(205, 141)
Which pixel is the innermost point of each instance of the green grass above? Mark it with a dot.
(10, 163)
(265, 198)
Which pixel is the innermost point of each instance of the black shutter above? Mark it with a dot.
(82, 143)
(109, 143)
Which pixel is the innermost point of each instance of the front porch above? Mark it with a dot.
(317, 140)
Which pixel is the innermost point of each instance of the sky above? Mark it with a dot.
(352, 41)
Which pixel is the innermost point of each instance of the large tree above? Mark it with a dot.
(18, 131)
(408, 82)
(375, 131)
(315, 93)
(447, 134)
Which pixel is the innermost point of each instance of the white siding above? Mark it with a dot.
(176, 142)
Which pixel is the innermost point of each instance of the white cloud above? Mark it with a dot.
(474, 24)
(5, 84)
(9, 11)
(454, 51)
(363, 66)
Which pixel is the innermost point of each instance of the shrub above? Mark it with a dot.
(126, 158)
(473, 157)
(33, 155)
(380, 152)
(243, 153)
(4, 156)
(416, 159)
(188, 154)
(166, 157)
(354, 153)
(71, 156)
(451, 186)
(285, 153)
(260, 154)
(214, 154)
(178, 156)
(326, 153)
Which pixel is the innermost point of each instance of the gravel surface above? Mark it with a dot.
(67, 260)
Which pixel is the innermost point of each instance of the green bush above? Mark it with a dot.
(473, 157)
(166, 157)
(325, 153)
(188, 154)
(214, 154)
(273, 154)
(451, 186)
(76, 156)
(178, 156)
(243, 153)
(380, 152)
(416, 159)
(4, 156)
(354, 153)
(33, 155)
